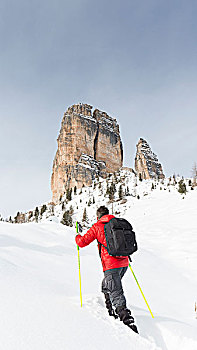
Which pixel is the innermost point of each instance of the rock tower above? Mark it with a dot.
(89, 144)
(147, 165)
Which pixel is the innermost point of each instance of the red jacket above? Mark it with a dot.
(97, 232)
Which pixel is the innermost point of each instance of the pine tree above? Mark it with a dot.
(36, 214)
(89, 202)
(112, 191)
(182, 187)
(127, 193)
(75, 190)
(16, 218)
(69, 194)
(115, 178)
(43, 209)
(67, 219)
(107, 190)
(93, 201)
(30, 215)
(71, 210)
(174, 178)
(51, 208)
(120, 192)
(85, 217)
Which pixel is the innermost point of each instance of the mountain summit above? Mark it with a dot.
(89, 145)
(147, 165)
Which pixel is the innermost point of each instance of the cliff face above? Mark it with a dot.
(147, 165)
(89, 144)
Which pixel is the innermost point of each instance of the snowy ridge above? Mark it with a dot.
(133, 190)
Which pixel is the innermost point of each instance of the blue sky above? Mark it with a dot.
(136, 60)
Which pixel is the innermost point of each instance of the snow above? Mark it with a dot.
(89, 162)
(39, 286)
(109, 123)
(88, 117)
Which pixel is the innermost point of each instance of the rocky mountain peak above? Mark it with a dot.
(147, 165)
(89, 144)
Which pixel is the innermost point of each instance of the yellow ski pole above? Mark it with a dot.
(77, 231)
(141, 291)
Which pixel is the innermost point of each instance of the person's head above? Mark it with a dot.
(102, 211)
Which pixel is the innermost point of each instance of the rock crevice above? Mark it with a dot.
(96, 142)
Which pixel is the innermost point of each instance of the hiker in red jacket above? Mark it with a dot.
(114, 269)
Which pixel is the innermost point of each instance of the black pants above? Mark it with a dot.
(112, 285)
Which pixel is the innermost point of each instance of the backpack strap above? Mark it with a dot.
(100, 245)
(103, 245)
(99, 248)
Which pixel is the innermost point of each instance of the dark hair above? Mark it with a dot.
(102, 211)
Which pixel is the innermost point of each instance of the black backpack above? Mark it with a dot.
(120, 238)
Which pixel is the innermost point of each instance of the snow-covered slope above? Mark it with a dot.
(39, 287)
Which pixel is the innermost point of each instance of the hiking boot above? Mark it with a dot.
(109, 306)
(125, 316)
